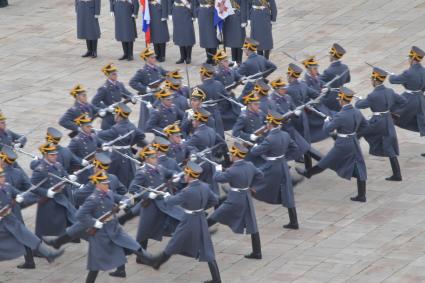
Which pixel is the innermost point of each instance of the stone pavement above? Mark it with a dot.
(339, 241)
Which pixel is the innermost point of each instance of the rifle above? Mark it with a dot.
(232, 100)
(20, 150)
(247, 79)
(335, 78)
(64, 180)
(159, 133)
(118, 138)
(261, 131)
(240, 140)
(290, 56)
(5, 211)
(370, 65)
(127, 156)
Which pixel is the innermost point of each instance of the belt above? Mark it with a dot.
(414, 91)
(121, 146)
(259, 7)
(85, 0)
(154, 3)
(193, 211)
(379, 113)
(273, 158)
(345, 135)
(205, 6)
(239, 189)
(179, 4)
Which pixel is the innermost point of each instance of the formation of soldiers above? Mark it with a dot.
(194, 149)
(183, 14)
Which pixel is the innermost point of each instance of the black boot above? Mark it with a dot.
(239, 57)
(159, 260)
(293, 221)
(120, 272)
(235, 54)
(29, 260)
(211, 222)
(260, 52)
(125, 51)
(212, 52)
(316, 155)
(89, 49)
(310, 172)
(139, 258)
(361, 191)
(308, 164)
(48, 253)
(209, 56)
(182, 55)
(130, 56)
(395, 166)
(126, 217)
(188, 54)
(215, 273)
(94, 48)
(256, 247)
(267, 54)
(156, 50)
(91, 276)
(162, 51)
(57, 242)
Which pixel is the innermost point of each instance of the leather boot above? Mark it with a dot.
(29, 260)
(124, 50)
(395, 166)
(91, 276)
(144, 245)
(48, 253)
(94, 48)
(130, 56)
(89, 48)
(188, 54)
(293, 220)
(209, 56)
(120, 272)
(215, 273)
(57, 242)
(239, 57)
(267, 54)
(256, 247)
(361, 191)
(163, 48)
(308, 164)
(159, 260)
(310, 172)
(157, 51)
(126, 217)
(211, 222)
(315, 154)
(234, 54)
(182, 55)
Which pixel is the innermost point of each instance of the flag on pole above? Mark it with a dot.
(146, 21)
(223, 9)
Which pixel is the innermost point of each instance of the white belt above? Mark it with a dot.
(193, 211)
(239, 189)
(121, 146)
(258, 7)
(345, 135)
(273, 158)
(205, 6)
(413, 91)
(85, 0)
(179, 4)
(154, 3)
(380, 113)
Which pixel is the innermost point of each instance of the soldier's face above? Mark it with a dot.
(2, 180)
(3, 125)
(195, 123)
(82, 97)
(152, 161)
(168, 102)
(281, 91)
(113, 76)
(195, 103)
(175, 139)
(152, 60)
(103, 187)
(255, 106)
(87, 129)
(225, 63)
(314, 71)
(52, 158)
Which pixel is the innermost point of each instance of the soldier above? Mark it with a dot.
(238, 211)
(346, 156)
(234, 29)
(311, 76)
(110, 93)
(192, 237)
(176, 150)
(147, 80)
(335, 68)
(121, 166)
(54, 211)
(204, 13)
(411, 116)
(3, 3)
(16, 239)
(180, 93)
(125, 13)
(159, 27)
(166, 113)
(109, 243)
(8, 137)
(380, 133)
(255, 64)
(277, 186)
(182, 12)
(80, 107)
(88, 24)
(262, 89)
(263, 14)
(162, 146)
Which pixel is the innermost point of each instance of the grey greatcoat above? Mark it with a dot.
(411, 116)
(87, 25)
(255, 64)
(380, 132)
(69, 161)
(191, 237)
(346, 157)
(125, 22)
(238, 211)
(107, 246)
(68, 118)
(233, 34)
(335, 68)
(163, 116)
(159, 24)
(261, 22)
(183, 30)
(204, 12)
(276, 186)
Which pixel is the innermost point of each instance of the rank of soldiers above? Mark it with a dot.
(189, 144)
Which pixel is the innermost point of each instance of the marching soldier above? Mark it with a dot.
(311, 76)
(159, 27)
(277, 186)
(238, 211)
(411, 116)
(183, 31)
(346, 156)
(204, 13)
(8, 137)
(110, 93)
(121, 166)
(88, 24)
(263, 14)
(162, 146)
(125, 13)
(335, 68)
(145, 81)
(109, 243)
(255, 64)
(234, 29)
(262, 89)
(180, 93)
(192, 237)
(176, 150)
(380, 133)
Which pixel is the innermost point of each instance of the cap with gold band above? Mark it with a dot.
(192, 169)
(122, 110)
(172, 83)
(198, 93)
(294, 71)
(201, 115)
(102, 160)
(48, 148)
(8, 155)
(207, 70)
(220, 55)
(379, 74)
(174, 74)
(161, 144)
(99, 178)
(310, 62)
(53, 135)
(274, 118)
(345, 94)
(337, 51)
(416, 53)
(83, 120)
(2, 117)
(146, 53)
(163, 94)
(78, 89)
(278, 83)
(172, 129)
(147, 151)
(238, 150)
(250, 44)
(109, 69)
(250, 97)
(261, 87)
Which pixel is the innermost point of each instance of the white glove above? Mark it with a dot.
(243, 25)
(134, 16)
(163, 19)
(243, 108)
(110, 109)
(149, 105)
(98, 224)
(166, 195)
(72, 178)
(219, 167)
(152, 195)
(148, 89)
(50, 193)
(193, 158)
(297, 112)
(106, 148)
(328, 118)
(112, 14)
(19, 198)
(324, 90)
(96, 16)
(273, 23)
(193, 19)
(133, 99)
(36, 158)
(392, 74)
(17, 145)
(253, 137)
(85, 162)
(170, 17)
(102, 113)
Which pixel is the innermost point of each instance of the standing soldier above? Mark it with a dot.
(204, 12)
(255, 64)
(110, 93)
(234, 29)
(263, 14)
(159, 27)
(125, 13)
(183, 31)
(380, 133)
(88, 24)
(345, 157)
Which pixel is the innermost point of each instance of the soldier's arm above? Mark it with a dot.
(399, 79)
(37, 176)
(333, 124)
(74, 146)
(139, 138)
(111, 5)
(136, 82)
(67, 121)
(139, 179)
(16, 138)
(136, 7)
(363, 103)
(261, 148)
(176, 199)
(153, 121)
(244, 11)
(75, 160)
(238, 128)
(120, 189)
(398, 99)
(97, 7)
(270, 67)
(212, 199)
(82, 194)
(193, 141)
(363, 123)
(223, 177)
(84, 213)
(164, 10)
(99, 97)
(127, 94)
(293, 152)
(258, 174)
(108, 135)
(195, 8)
(273, 9)
(326, 76)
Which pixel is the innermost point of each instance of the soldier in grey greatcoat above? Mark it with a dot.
(255, 64)
(3, 3)
(88, 12)
(380, 133)
(159, 27)
(182, 12)
(234, 29)
(191, 237)
(262, 14)
(180, 93)
(176, 150)
(8, 137)
(125, 12)
(204, 13)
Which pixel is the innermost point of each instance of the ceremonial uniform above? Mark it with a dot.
(8, 137)
(163, 116)
(186, 124)
(68, 160)
(256, 64)
(178, 152)
(159, 27)
(68, 118)
(204, 12)
(88, 24)
(234, 29)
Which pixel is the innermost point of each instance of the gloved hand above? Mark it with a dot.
(50, 193)
(98, 224)
(152, 195)
(133, 99)
(166, 195)
(163, 19)
(102, 113)
(219, 167)
(297, 112)
(72, 177)
(106, 148)
(193, 19)
(149, 105)
(170, 17)
(112, 14)
(253, 137)
(85, 162)
(111, 109)
(36, 158)
(243, 108)
(273, 23)
(324, 90)
(328, 119)
(19, 198)
(17, 145)
(134, 16)
(148, 89)
(96, 16)
(243, 25)
(193, 158)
